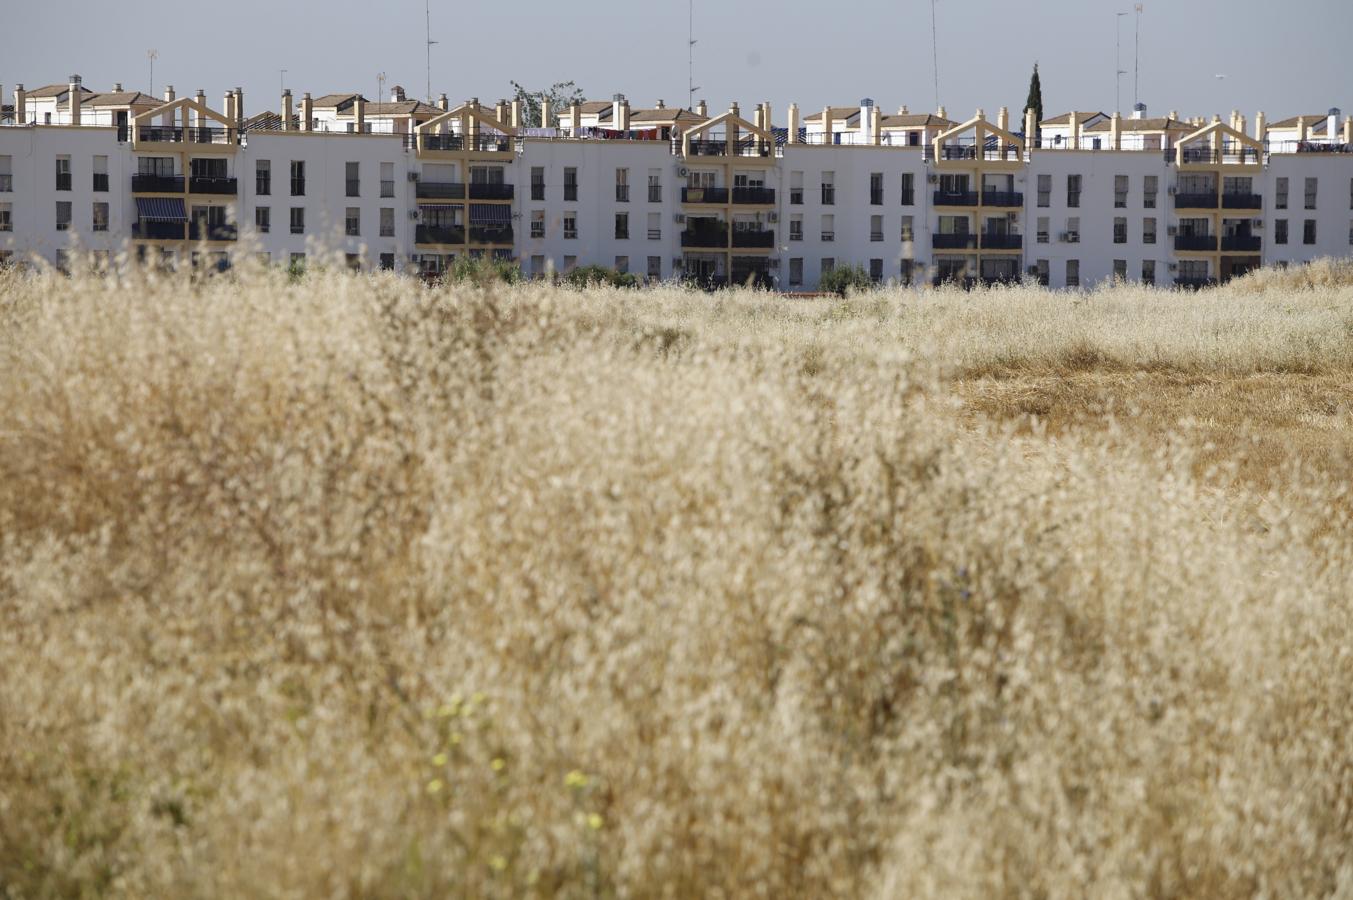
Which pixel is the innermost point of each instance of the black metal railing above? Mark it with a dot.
(439, 234)
(1242, 201)
(655, 234)
(1196, 201)
(354, 187)
(704, 195)
(440, 190)
(1196, 242)
(538, 190)
(6, 184)
(708, 148)
(753, 238)
(705, 237)
(828, 195)
(494, 143)
(875, 196)
(622, 193)
(909, 198)
(160, 133)
(200, 184)
(999, 241)
(387, 187)
(158, 231)
(204, 232)
(101, 182)
(1241, 243)
(655, 193)
(754, 195)
(490, 234)
(1002, 198)
(796, 196)
(443, 142)
(63, 181)
(1194, 284)
(953, 241)
(485, 191)
(146, 183)
(955, 198)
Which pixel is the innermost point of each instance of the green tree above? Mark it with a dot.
(561, 94)
(1035, 101)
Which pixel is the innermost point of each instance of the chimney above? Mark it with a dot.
(516, 114)
(500, 111)
(307, 112)
(902, 110)
(1116, 131)
(74, 99)
(793, 123)
(1003, 118)
(876, 126)
(1332, 125)
(702, 109)
(1139, 111)
(117, 87)
(228, 107)
(759, 117)
(286, 110)
(621, 113)
(769, 123)
(396, 94)
(1301, 129)
(443, 104)
(359, 114)
(661, 105)
(239, 108)
(1075, 132)
(866, 117)
(1030, 126)
(941, 113)
(20, 104)
(827, 124)
(575, 119)
(1174, 115)
(1348, 130)
(546, 113)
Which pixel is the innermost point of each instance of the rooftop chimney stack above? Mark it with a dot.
(1301, 129)
(1348, 130)
(622, 117)
(661, 105)
(443, 103)
(769, 122)
(793, 123)
(546, 113)
(397, 94)
(286, 109)
(941, 113)
(702, 109)
(307, 112)
(117, 87)
(1139, 111)
(359, 114)
(500, 111)
(575, 119)
(1332, 125)
(1030, 127)
(827, 124)
(1003, 118)
(74, 101)
(239, 108)
(1116, 131)
(902, 110)
(1260, 126)
(20, 104)
(516, 114)
(228, 109)
(1174, 115)
(1075, 132)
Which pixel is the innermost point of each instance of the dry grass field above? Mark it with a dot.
(345, 587)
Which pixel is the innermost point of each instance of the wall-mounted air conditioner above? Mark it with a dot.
(413, 214)
(413, 176)
(932, 178)
(1174, 267)
(774, 217)
(680, 218)
(683, 171)
(1172, 230)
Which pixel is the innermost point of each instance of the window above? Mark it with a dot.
(828, 264)
(537, 182)
(908, 229)
(1041, 269)
(829, 227)
(1350, 232)
(876, 228)
(1073, 273)
(1120, 230)
(298, 262)
(162, 166)
(570, 226)
(1150, 188)
(654, 185)
(298, 220)
(1350, 193)
(1311, 185)
(570, 184)
(796, 189)
(101, 173)
(1042, 237)
(622, 185)
(387, 262)
(100, 222)
(353, 261)
(622, 226)
(1073, 229)
(876, 191)
(6, 217)
(1120, 191)
(537, 223)
(622, 264)
(353, 179)
(796, 271)
(654, 226)
(352, 221)
(908, 268)
(6, 174)
(876, 270)
(1308, 232)
(828, 188)
(1120, 269)
(1073, 191)
(298, 178)
(263, 177)
(1148, 231)
(655, 267)
(1148, 271)
(63, 173)
(63, 215)
(1280, 231)
(1280, 194)
(908, 189)
(263, 219)
(387, 225)
(796, 227)
(1045, 190)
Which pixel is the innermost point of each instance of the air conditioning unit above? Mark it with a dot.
(774, 217)
(413, 215)
(413, 257)
(1172, 230)
(932, 178)
(413, 176)
(1172, 190)
(682, 171)
(680, 218)
(1174, 267)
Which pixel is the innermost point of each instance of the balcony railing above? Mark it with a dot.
(101, 182)
(622, 193)
(708, 148)
(203, 232)
(909, 198)
(485, 191)
(354, 187)
(754, 195)
(704, 195)
(158, 231)
(955, 198)
(828, 195)
(538, 190)
(496, 143)
(387, 187)
(198, 184)
(443, 142)
(1002, 198)
(6, 184)
(953, 241)
(705, 238)
(490, 234)
(655, 193)
(440, 190)
(875, 197)
(752, 238)
(1194, 284)
(1241, 243)
(439, 234)
(157, 184)
(63, 181)
(1242, 201)
(995, 241)
(1196, 201)
(177, 135)
(1196, 242)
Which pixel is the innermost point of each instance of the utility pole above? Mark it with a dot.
(152, 55)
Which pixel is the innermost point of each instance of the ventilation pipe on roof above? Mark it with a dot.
(793, 123)
(941, 113)
(1139, 111)
(661, 105)
(117, 87)
(902, 110)
(307, 112)
(286, 109)
(74, 101)
(20, 104)
(239, 108)
(359, 114)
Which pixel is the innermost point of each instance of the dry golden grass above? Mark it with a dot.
(347, 588)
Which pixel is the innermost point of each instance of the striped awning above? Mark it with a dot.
(161, 209)
(490, 214)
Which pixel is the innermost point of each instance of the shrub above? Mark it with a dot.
(483, 271)
(843, 279)
(588, 276)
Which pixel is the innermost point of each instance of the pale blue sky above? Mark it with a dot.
(1283, 57)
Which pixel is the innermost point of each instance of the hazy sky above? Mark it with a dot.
(1285, 57)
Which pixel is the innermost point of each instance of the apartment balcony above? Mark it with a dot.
(439, 234)
(709, 237)
(704, 195)
(752, 238)
(708, 148)
(490, 143)
(204, 185)
(203, 232)
(1197, 243)
(450, 142)
(158, 231)
(6, 183)
(166, 134)
(994, 241)
(755, 196)
(440, 190)
(1194, 284)
(953, 241)
(955, 198)
(1002, 198)
(157, 184)
(490, 234)
(1241, 243)
(1196, 201)
(1242, 201)
(491, 191)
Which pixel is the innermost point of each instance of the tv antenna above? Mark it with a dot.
(1118, 71)
(281, 80)
(152, 55)
(427, 10)
(691, 87)
(935, 54)
(1136, 54)
(380, 87)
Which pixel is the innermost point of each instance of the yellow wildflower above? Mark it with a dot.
(575, 779)
(435, 786)
(498, 764)
(498, 863)
(455, 738)
(594, 821)
(439, 759)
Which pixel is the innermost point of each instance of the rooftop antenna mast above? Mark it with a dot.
(691, 87)
(1136, 55)
(935, 53)
(427, 11)
(1118, 71)
(380, 87)
(152, 55)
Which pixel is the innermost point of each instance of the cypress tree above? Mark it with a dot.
(1035, 101)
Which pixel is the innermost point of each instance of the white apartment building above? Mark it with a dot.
(666, 192)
